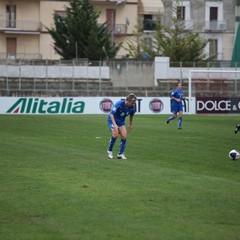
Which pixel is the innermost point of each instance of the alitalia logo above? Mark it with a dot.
(47, 106)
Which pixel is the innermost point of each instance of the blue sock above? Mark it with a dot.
(180, 122)
(111, 143)
(122, 146)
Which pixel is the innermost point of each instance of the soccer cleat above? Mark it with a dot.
(121, 156)
(237, 129)
(110, 154)
(167, 121)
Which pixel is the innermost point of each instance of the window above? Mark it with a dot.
(148, 23)
(148, 42)
(10, 16)
(11, 47)
(181, 13)
(213, 11)
(111, 19)
(213, 14)
(213, 48)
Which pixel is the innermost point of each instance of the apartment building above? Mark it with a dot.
(23, 33)
(213, 19)
(23, 24)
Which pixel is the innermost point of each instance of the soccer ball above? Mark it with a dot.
(234, 154)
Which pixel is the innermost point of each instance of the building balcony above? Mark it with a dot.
(203, 26)
(120, 29)
(109, 1)
(15, 56)
(194, 26)
(186, 25)
(20, 26)
(150, 25)
(215, 26)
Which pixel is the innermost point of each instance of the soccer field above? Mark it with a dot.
(57, 183)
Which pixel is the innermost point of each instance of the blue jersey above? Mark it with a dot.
(178, 94)
(120, 112)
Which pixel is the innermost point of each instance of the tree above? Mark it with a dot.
(134, 44)
(79, 35)
(178, 43)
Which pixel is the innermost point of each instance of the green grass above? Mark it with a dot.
(57, 183)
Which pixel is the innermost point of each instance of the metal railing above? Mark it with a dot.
(109, 1)
(114, 77)
(120, 29)
(216, 26)
(20, 25)
(18, 56)
(195, 26)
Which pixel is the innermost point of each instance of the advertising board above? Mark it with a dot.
(81, 105)
(218, 105)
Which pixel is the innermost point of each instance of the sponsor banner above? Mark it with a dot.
(82, 105)
(218, 105)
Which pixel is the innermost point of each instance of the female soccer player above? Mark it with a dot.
(177, 106)
(116, 123)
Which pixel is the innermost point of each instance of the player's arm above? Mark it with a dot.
(113, 120)
(173, 97)
(176, 99)
(130, 127)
